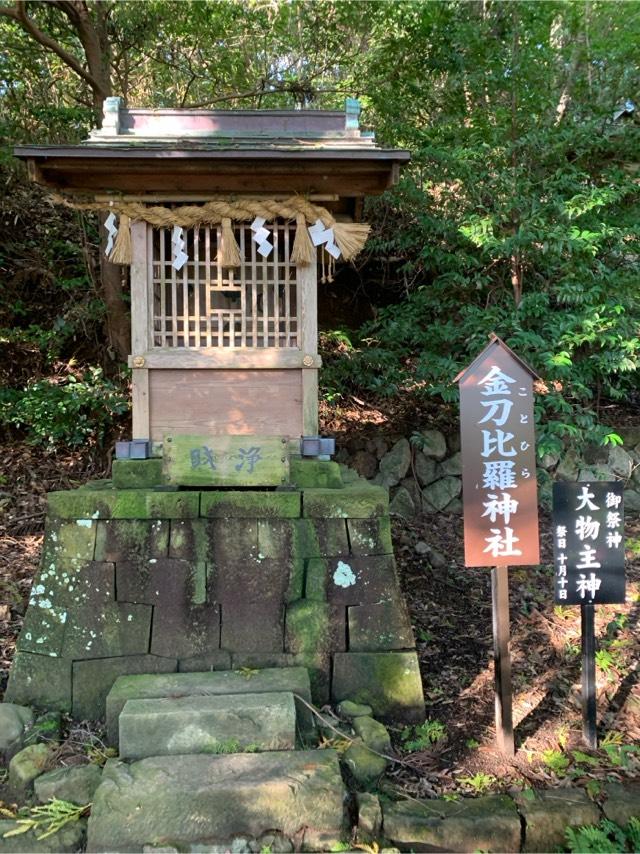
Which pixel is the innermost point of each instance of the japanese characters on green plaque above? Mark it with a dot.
(226, 460)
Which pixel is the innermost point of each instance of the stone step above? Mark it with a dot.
(184, 801)
(293, 680)
(229, 723)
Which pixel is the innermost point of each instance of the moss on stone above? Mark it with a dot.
(123, 504)
(189, 540)
(136, 474)
(389, 682)
(355, 501)
(28, 764)
(115, 629)
(365, 767)
(276, 538)
(97, 504)
(93, 679)
(250, 505)
(321, 474)
(172, 505)
(373, 733)
(43, 629)
(198, 583)
(316, 579)
(370, 536)
(41, 681)
(307, 637)
(131, 539)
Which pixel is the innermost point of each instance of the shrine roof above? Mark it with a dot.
(140, 150)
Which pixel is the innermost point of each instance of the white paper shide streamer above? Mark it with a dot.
(261, 236)
(178, 256)
(321, 236)
(112, 231)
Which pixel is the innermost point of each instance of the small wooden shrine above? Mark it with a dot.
(226, 537)
(224, 218)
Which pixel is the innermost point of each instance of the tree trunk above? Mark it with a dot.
(94, 34)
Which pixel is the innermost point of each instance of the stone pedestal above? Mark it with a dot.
(140, 578)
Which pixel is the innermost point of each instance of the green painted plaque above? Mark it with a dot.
(225, 460)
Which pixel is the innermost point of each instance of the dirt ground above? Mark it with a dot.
(451, 613)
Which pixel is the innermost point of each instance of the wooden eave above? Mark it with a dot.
(147, 168)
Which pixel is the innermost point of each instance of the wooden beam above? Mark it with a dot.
(197, 197)
(230, 359)
(140, 245)
(307, 278)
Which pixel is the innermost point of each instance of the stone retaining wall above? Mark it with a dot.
(530, 820)
(136, 578)
(426, 475)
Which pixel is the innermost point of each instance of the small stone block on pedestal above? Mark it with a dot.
(294, 680)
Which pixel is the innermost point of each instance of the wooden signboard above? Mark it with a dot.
(588, 543)
(588, 539)
(226, 460)
(499, 491)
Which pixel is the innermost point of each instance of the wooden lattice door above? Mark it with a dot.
(221, 350)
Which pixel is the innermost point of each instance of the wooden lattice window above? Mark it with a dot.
(206, 305)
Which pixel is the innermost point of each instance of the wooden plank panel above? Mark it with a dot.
(309, 402)
(214, 460)
(225, 402)
(140, 403)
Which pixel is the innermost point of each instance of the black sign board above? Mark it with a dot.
(588, 539)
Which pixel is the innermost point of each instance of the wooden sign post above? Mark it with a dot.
(499, 492)
(588, 540)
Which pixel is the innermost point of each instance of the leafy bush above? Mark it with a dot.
(424, 735)
(606, 836)
(69, 411)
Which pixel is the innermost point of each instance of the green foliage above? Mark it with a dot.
(604, 837)
(519, 213)
(480, 782)
(556, 761)
(50, 818)
(68, 411)
(424, 735)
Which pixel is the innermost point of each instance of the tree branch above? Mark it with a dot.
(19, 14)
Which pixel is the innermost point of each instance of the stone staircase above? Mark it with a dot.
(216, 761)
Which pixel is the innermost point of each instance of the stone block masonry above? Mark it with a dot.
(138, 579)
